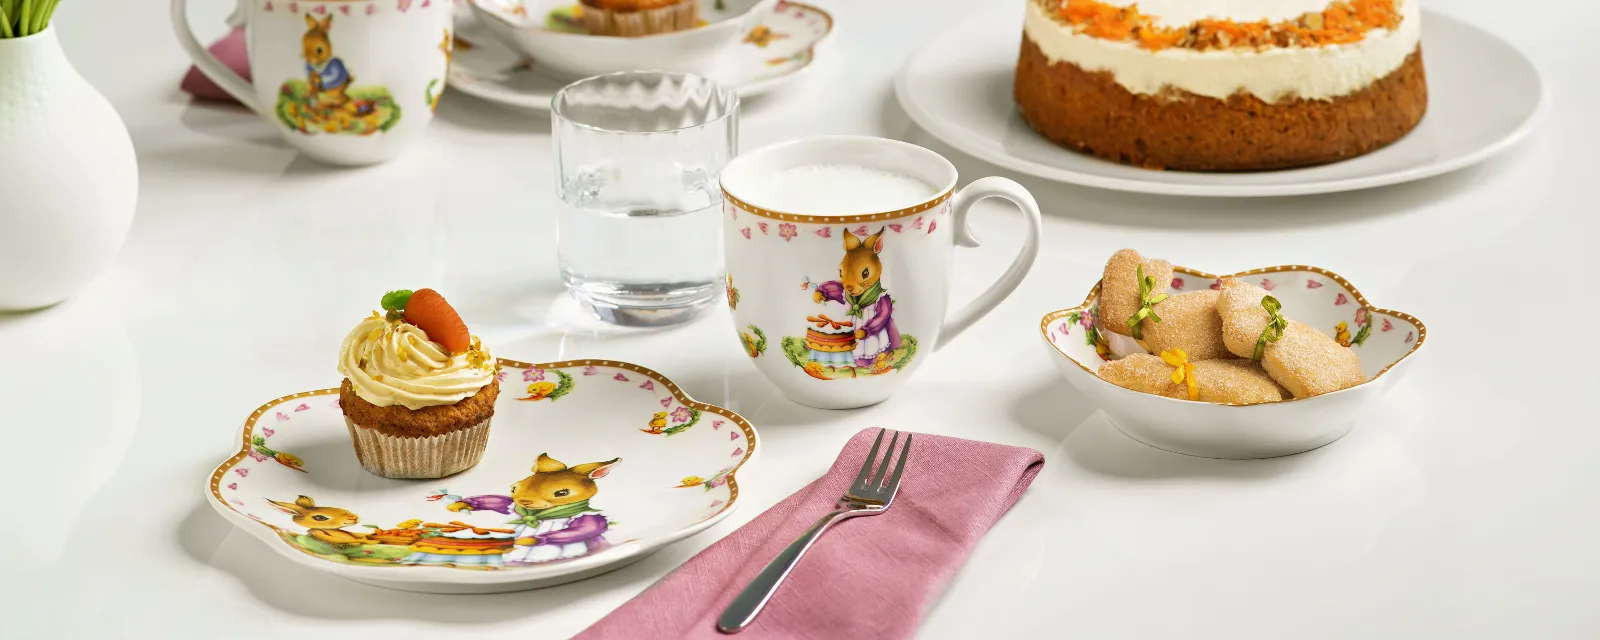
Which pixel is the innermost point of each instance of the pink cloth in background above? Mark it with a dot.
(233, 53)
(868, 577)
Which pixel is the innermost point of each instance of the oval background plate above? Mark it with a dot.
(675, 479)
(1483, 96)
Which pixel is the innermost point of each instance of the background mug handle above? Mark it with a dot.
(992, 187)
(208, 64)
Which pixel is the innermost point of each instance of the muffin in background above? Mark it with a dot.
(419, 390)
(634, 18)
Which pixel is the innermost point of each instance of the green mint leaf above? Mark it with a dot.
(396, 300)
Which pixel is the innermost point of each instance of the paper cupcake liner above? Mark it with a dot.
(677, 17)
(433, 457)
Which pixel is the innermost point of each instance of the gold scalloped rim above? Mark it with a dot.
(677, 393)
(844, 219)
(1094, 291)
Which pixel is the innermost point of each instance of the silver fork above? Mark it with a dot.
(870, 495)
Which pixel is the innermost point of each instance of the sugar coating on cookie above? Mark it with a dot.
(1242, 316)
(1309, 363)
(1230, 381)
(1189, 321)
(1119, 288)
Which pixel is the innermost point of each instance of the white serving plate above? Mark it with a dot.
(1483, 97)
(776, 51)
(1383, 339)
(522, 24)
(676, 477)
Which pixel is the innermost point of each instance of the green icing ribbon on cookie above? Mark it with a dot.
(1147, 286)
(1274, 328)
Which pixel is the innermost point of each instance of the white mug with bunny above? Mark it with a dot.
(348, 82)
(838, 252)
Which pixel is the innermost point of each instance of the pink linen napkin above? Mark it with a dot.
(869, 577)
(233, 53)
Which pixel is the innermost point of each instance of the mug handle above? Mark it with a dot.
(992, 187)
(208, 64)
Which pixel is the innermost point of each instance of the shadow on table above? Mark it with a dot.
(1053, 409)
(289, 587)
(1097, 446)
(1186, 212)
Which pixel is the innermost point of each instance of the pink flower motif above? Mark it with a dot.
(733, 435)
(918, 223)
(1268, 284)
(282, 416)
(932, 224)
(895, 227)
(666, 402)
(620, 378)
(532, 375)
(826, 232)
(345, 9)
(1216, 284)
(1361, 317)
(294, 7)
(649, 385)
(1409, 336)
(1086, 320)
(763, 227)
(738, 452)
(786, 231)
(745, 232)
(242, 471)
(500, 376)
(427, 3)
(716, 482)
(235, 502)
(1313, 284)
(233, 486)
(680, 414)
(320, 10)
(1387, 326)
(1340, 300)
(716, 425)
(404, 5)
(1177, 283)
(267, 431)
(590, 370)
(258, 457)
(1065, 328)
(862, 231)
(269, 6)
(371, 9)
(303, 407)
(716, 503)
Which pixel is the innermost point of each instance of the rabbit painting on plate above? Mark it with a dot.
(553, 518)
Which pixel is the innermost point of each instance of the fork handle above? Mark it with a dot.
(750, 601)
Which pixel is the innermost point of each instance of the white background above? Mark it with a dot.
(1464, 506)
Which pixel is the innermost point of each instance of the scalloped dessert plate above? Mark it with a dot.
(774, 52)
(295, 484)
(1483, 97)
(1382, 338)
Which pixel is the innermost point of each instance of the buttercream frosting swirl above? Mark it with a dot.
(393, 362)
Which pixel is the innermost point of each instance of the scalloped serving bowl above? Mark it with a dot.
(675, 478)
(521, 25)
(1384, 340)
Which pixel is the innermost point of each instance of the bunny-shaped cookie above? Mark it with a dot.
(323, 523)
(860, 287)
(326, 76)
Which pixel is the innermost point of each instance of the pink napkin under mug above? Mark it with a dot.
(871, 577)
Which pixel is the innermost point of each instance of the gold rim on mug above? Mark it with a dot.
(1094, 292)
(842, 219)
(215, 484)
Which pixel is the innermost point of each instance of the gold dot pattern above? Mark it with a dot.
(845, 219)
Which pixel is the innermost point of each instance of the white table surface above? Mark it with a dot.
(1464, 505)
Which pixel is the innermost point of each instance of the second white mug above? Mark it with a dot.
(838, 302)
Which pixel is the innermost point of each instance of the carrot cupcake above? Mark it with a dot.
(633, 18)
(419, 390)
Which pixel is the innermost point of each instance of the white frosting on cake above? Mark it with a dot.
(1270, 74)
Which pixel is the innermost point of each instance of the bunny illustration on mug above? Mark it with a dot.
(553, 518)
(855, 333)
(328, 101)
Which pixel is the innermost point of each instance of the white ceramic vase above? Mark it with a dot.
(68, 178)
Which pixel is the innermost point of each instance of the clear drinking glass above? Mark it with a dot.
(638, 156)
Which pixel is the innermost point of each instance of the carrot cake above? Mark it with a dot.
(1222, 85)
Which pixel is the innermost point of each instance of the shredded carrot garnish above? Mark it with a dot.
(1343, 22)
